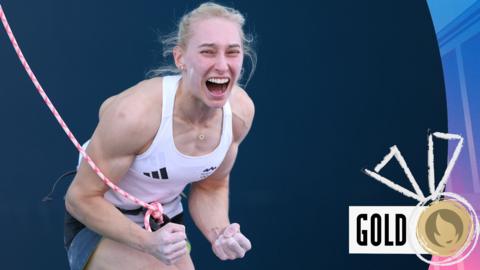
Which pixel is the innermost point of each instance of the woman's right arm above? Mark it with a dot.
(123, 131)
(120, 134)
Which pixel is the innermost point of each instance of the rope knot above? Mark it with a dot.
(158, 212)
(155, 210)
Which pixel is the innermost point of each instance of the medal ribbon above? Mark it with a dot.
(418, 195)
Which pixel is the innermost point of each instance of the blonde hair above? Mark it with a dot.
(182, 35)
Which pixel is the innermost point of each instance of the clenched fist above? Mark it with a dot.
(168, 244)
(231, 243)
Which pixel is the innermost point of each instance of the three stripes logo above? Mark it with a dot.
(161, 173)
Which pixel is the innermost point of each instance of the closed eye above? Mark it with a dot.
(207, 52)
(236, 52)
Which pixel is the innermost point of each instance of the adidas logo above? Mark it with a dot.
(209, 169)
(157, 174)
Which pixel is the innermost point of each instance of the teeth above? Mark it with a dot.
(218, 80)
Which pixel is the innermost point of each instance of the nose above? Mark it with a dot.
(221, 64)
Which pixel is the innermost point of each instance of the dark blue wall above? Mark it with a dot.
(338, 83)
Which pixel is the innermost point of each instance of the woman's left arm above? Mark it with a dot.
(208, 199)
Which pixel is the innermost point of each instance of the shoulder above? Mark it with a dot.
(142, 92)
(133, 113)
(243, 111)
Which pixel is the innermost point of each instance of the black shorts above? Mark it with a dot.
(80, 242)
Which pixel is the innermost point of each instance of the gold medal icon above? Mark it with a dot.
(443, 224)
(445, 228)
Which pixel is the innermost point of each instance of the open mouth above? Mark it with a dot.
(217, 86)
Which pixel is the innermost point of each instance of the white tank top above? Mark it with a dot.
(162, 171)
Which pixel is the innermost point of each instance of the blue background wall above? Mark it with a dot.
(337, 84)
(458, 32)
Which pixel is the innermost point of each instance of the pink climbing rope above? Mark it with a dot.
(154, 209)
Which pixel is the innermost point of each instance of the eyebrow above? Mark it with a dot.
(213, 45)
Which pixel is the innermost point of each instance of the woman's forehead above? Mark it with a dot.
(216, 31)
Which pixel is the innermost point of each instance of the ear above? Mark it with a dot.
(178, 57)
